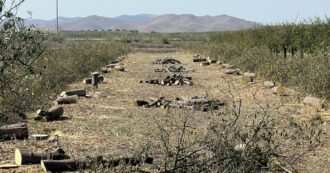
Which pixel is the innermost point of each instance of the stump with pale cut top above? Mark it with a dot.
(81, 93)
(24, 157)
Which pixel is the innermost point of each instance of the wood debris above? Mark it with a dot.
(194, 103)
(173, 69)
(171, 80)
(167, 61)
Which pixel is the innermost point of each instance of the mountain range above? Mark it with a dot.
(147, 23)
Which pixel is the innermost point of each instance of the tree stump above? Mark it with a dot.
(67, 100)
(269, 84)
(16, 131)
(231, 71)
(24, 157)
(53, 114)
(205, 63)
(87, 81)
(101, 78)
(315, 103)
(95, 78)
(139, 103)
(86, 162)
(278, 90)
(81, 93)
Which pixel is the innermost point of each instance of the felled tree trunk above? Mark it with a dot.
(81, 93)
(16, 131)
(24, 157)
(67, 100)
(86, 162)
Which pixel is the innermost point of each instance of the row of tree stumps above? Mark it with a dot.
(313, 103)
(58, 160)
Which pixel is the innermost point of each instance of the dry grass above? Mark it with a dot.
(108, 123)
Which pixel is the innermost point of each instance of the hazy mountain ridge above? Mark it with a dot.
(148, 23)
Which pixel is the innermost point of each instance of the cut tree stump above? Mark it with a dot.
(24, 157)
(81, 93)
(101, 78)
(228, 66)
(278, 90)
(87, 162)
(67, 100)
(251, 75)
(95, 78)
(269, 84)
(140, 103)
(52, 114)
(314, 102)
(15, 131)
(40, 136)
(199, 60)
(87, 81)
(205, 63)
(231, 71)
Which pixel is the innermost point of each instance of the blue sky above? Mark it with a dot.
(263, 11)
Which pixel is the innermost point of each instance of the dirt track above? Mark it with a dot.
(108, 123)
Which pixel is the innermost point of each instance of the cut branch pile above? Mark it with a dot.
(193, 103)
(167, 61)
(173, 69)
(171, 80)
(14, 131)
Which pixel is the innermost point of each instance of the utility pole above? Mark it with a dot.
(57, 17)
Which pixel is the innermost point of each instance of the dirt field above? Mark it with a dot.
(108, 122)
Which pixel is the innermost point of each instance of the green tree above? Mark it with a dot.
(20, 47)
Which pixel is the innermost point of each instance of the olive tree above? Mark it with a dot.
(20, 47)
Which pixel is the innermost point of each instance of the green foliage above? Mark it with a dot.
(257, 50)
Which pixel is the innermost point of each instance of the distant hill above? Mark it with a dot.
(135, 17)
(148, 23)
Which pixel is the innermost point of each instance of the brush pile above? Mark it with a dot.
(171, 80)
(173, 69)
(193, 103)
(167, 61)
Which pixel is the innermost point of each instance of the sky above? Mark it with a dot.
(261, 11)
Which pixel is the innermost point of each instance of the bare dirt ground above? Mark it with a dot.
(108, 122)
